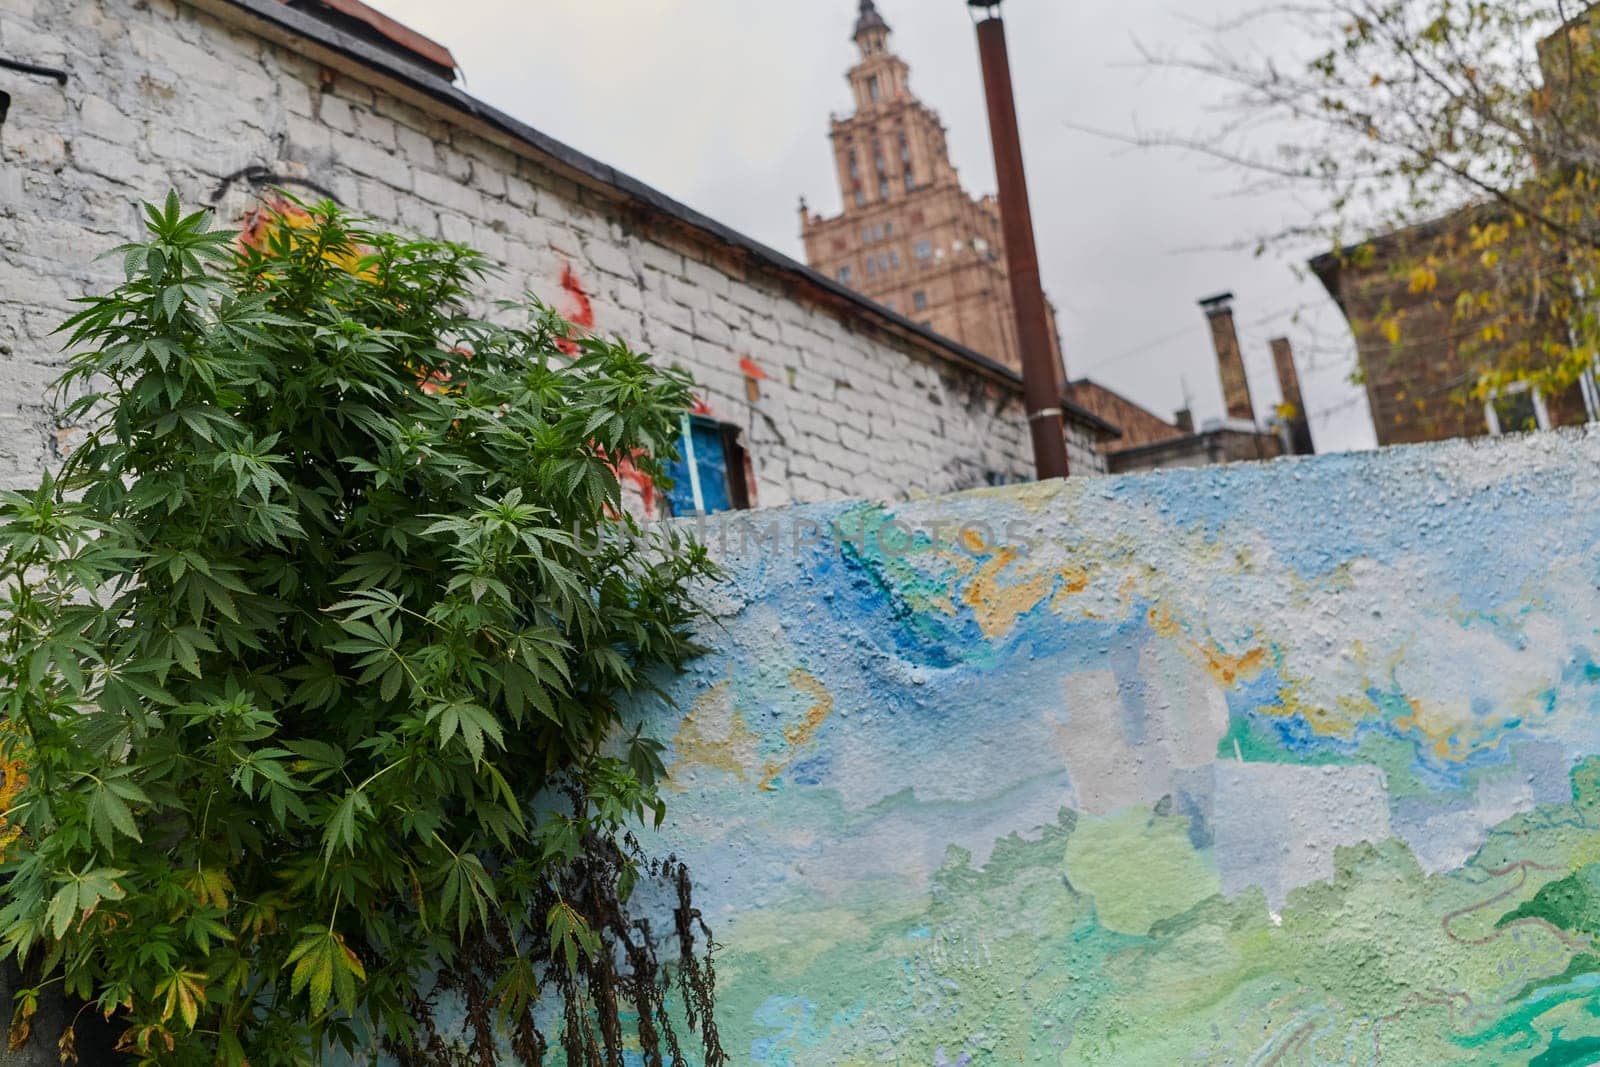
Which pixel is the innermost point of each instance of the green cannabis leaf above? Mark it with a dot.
(311, 699)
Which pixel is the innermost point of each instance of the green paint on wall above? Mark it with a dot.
(1140, 869)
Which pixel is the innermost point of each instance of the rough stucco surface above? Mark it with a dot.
(1290, 763)
(163, 95)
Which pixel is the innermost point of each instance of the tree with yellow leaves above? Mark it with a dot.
(1452, 146)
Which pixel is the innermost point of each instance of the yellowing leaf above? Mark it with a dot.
(1423, 279)
(352, 962)
(185, 993)
(210, 888)
(325, 965)
(27, 1004)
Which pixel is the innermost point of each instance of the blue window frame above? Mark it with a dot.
(708, 476)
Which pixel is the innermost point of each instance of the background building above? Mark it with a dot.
(1421, 359)
(1149, 442)
(912, 239)
(808, 391)
(1420, 382)
(909, 236)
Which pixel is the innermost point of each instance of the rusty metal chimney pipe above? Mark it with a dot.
(1040, 382)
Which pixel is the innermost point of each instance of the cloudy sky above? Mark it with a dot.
(724, 104)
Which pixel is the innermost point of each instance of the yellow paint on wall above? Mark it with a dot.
(13, 780)
(1162, 622)
(714, 736)
(1228, 670)
(1442, 729)
(803, 732)
(1338, 722)
(997, 603)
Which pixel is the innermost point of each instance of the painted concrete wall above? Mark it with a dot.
(1289, 764)
(165, 95)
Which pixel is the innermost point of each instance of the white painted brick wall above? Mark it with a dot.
(164, 94)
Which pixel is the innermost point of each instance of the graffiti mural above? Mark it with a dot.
(1296, 763)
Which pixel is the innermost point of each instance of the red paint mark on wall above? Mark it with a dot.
(753, 377)
(701, 407)
(628, 473)
(260, 221)
(577, 308)
(437, 381)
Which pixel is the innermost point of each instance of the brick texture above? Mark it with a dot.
(1420, 379)
(174, 96)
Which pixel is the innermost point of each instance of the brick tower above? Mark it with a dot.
(909, 236)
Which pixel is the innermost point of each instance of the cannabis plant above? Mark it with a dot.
(311, 658)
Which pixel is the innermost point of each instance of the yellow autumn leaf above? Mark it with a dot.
(21, 1029)
(210, 887)
(1391, 331)
(1423, 279)
(186, 994)
(352, 962)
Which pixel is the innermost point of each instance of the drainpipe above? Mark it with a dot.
(1040, 379)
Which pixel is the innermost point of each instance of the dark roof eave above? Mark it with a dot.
(274, 13)
(1327, 268)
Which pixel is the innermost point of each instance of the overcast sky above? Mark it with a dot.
(724, 104)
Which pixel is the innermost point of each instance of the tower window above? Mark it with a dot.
(920, 299)
(861, 197)
(894, 257)
(846, 275)
(924, 251)
(872, 266)
(911, 181)
(883, 188)
(874, 92)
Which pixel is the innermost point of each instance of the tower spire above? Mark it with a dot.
(870, 19)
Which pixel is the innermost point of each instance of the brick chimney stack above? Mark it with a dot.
(1295, 417)
(1230, 361)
